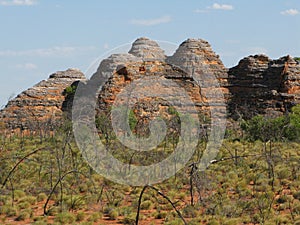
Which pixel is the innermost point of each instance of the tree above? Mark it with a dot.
(292, 131)
(265, 129)
(285, 127)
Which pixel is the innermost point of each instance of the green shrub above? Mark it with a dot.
(113, 214)
(145, 205)
(30, 199)
(8, 210)
(74, 202)
(160, 215)
(24, 205)
(4, 199)
(125, 210)
(41, 197)
(129, 219)
(23, 216)
(293, 130)
(107, 209)
(19, 194)
(83, 187)
(264, 129)
(296, 208)
(167, 207)
(190, 212)
(94, 217)
(65, 218)
(70, 90)
(282, 219)
(232, 222)
(283, 173)
(283, 207)
(80, 216)
(181, 196)
(213, 222)
(53, 211)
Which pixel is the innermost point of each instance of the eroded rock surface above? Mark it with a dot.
(260, 85)
(257, 85)
(145, 60)
(40, 107)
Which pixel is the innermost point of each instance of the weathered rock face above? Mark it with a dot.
(197, 54)
(40, 107)
(147, 49)
(197, 59)
(146, 61)
(259, 85)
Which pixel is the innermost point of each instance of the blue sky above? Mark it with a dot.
(39, 37)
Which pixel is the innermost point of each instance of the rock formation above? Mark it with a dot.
(40, 107)
(146, 60)
(260, 85)
(147, 49)
(257, 85)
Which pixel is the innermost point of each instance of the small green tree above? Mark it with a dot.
(264, 129)
(70, 90)
(292, 131)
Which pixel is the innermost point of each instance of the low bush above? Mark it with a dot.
(80, 216)
(23, 216)
(94, 217)
(41, 197)
(8, 210)
(113, 214)
(65, 218)
(145, 205)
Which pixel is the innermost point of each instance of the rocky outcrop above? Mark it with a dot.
(147, 49)
(200, 62)
(146, 60)
(257, 85)
(260, 85)
(40, 107)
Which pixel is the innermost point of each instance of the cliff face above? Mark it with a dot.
(146, 60)
(257, 85)
(260, 85)
(40, 107)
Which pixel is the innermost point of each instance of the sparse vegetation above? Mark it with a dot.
(254, 180)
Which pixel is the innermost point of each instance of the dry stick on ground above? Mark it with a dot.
(161, 194)
(53, 189)
(193, 169)
(12, 192)
(18, 163)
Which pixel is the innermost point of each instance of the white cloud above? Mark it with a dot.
(222, 6)
(151, 22)
(47, 52)
(290, 12)
(27, 66)
(17, 2)
(215, 6)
